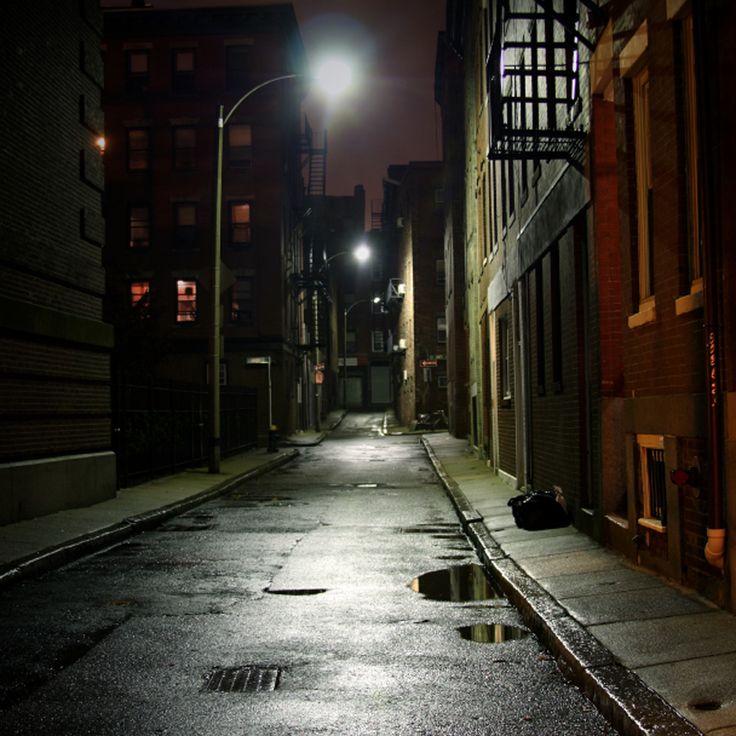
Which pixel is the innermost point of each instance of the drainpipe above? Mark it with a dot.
(708, 120)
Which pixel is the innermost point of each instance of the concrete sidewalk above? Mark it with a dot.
(34, 546)
(37, 545)
(655, 658)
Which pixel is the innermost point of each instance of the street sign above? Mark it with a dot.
(258, 360)
(428, 363)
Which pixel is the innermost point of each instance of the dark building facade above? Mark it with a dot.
(449, 96)
(598, 266)
(416, 292)
(166, 74)
(55, 426)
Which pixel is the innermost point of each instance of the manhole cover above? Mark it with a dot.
(248, 678)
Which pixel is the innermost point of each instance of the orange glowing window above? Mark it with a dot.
(140, 296)
(239, 223)
(186, 301)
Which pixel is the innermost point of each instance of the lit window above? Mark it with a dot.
(185, 225)
(240, 142)
(139, 226)
(186, 301)
(441, 329)
(183, 70)
(243, 303)
(138, 149)
(653, 498)
(185, 148)
(239, 223)
(140, 297)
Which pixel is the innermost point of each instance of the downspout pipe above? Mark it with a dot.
(706, 67)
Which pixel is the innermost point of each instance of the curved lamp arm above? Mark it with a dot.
(223, 121)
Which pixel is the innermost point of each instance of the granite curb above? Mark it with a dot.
(620, 695)
(68, 551)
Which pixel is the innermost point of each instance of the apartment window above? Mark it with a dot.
(240, 145)
(643, 162)
(183, 70)
(539, 319)
(351, 342)
(378, 343)
(504, 357)
(691, 142)
(140, 298)
(185, 148)
(441, 380)
(185, 225)
(238, 66)
(441, 329)
(494, 187)
(137, 70)
(653, 482)
(240, 232)
(242, 309)
(512, 188)
(139, 149)
(556, 317)
(439, 271)
(186, 301)
(139, 226)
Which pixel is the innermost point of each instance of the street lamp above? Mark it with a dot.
(333, 77)
(345, 312)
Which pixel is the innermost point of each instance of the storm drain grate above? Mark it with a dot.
(248, 678)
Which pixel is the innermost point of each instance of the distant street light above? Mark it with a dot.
(333, 78)
(346, 311)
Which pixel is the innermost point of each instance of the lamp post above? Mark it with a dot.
(345, 312)
(333, 77)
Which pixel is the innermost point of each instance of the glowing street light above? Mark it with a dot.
(332, 78)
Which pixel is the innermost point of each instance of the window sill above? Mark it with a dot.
(618, 521)
(692, 301)
(647, 313)
(654, 524)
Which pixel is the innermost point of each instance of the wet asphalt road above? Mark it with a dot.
(300, 581)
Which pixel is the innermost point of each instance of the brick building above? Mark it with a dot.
(597, 265)
(416, 296)
(55, 446)
(166, 74)
(449, 96)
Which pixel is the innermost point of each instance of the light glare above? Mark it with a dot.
(362, 253)
(334, 76)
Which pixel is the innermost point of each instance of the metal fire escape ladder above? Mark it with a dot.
(314, 158)
(532, 77)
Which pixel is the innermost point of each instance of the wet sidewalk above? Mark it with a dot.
(655, 658)
(37, 545)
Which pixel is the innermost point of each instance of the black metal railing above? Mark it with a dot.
(161, 428)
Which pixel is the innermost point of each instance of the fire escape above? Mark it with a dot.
(314, 157)
(533, 77)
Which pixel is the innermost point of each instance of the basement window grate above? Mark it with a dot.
(246, 678)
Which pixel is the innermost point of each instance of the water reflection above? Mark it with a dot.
(457, 583)
(492, 633)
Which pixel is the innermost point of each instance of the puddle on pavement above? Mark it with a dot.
(492, 633)
(457, 583)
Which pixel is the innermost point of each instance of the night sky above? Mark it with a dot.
(390, 117)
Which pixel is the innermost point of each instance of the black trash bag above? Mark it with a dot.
(539, 510)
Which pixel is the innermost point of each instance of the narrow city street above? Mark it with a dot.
(336, 595)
